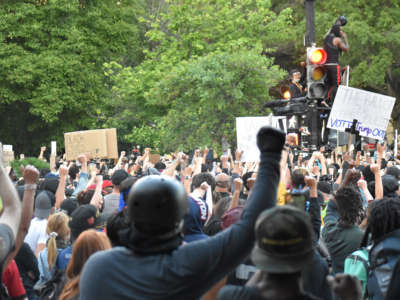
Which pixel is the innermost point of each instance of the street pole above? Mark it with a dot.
(310, 23)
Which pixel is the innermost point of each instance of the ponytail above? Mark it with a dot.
(51, 249)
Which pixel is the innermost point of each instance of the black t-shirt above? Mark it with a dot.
(231, 292)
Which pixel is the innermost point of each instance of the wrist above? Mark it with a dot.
(30, 187)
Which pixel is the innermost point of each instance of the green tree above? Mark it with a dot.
(51, 64)
(178, 33)
(205, 96)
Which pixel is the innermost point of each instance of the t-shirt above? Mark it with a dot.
(231, 292)
(111, 203)
(13, 282)
(36, 233)
(63, 258)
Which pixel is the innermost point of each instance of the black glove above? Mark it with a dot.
(270, 139)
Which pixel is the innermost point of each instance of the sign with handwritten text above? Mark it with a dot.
(246, 132)
(371, 110)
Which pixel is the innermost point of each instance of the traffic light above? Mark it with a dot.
(316, 73)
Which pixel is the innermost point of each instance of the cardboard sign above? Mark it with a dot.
(246, 132)
(371, 110)
(99, 143)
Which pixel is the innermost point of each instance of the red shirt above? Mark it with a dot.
(12, 281)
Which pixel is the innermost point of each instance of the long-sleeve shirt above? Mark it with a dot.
(82, 183)
(188, 271)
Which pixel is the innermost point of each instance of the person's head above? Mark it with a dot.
(83, 218)
(223, 182)
(58, 231)
(88, 243)
(297, 178)
(246, 177)
(43, 205)
(394, 171)
(116, 223)
(73, 172)
(284, 241)
(118, 177)
(383, 217)
(390, 186)
(84, 197)
(156, 206)
(198, 179)
(295, 75)
(349, 204)
(68, 206)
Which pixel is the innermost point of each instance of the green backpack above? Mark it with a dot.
(357, 264)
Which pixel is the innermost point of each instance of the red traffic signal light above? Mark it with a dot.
(317, 56)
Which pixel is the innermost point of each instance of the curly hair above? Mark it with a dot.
(198, 179)
(350, 205)
(384, 217)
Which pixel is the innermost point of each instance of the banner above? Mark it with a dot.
(371, 110)
(246, 133)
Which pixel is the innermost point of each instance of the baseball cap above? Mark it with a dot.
(284, 240)
(42, 205)
(69, 205)
(118, 177)
(82, 218)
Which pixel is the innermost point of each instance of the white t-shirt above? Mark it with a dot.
(36, 233)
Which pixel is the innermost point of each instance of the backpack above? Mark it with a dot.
(383, 258)
(51, 290)
(357, 264)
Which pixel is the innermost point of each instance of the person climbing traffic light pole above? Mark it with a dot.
(334, 43)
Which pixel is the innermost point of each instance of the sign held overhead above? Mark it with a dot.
(371, 110)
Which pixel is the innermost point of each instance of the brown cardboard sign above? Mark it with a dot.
(99, 143)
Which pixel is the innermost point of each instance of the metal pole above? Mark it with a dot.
(310, 23)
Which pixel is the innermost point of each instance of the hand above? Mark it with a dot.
(366, 148)
(362, 184)
(238, 155)
(147, 150)
(82, 159)
(30, 174)
(251, 181)
(197, 153)
(350, 176)
(311, 182)
(206, 150)
(63, 171)
(345, 286)
(22, 156)
(238, 184)
(270, 139)
(291, 139)
(374, 168)
(204, 186)
(224, 158)
(123, 153)
(43, 148)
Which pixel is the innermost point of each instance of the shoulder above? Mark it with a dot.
(7, 241)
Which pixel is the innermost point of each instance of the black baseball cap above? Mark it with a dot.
(284, 240)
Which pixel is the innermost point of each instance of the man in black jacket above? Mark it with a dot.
(152, 265)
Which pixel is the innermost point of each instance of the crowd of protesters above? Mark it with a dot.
(294, 225)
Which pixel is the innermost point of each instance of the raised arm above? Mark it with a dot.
(11, 215)
(31, 176)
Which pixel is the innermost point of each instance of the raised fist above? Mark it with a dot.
(270, 139)
(30, 174)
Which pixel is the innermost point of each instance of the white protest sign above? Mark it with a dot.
(54, 148)
(371, 110)
(8, 148)
(246, 132)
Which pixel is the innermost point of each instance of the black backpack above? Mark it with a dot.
(382, 259)
(52, 289)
